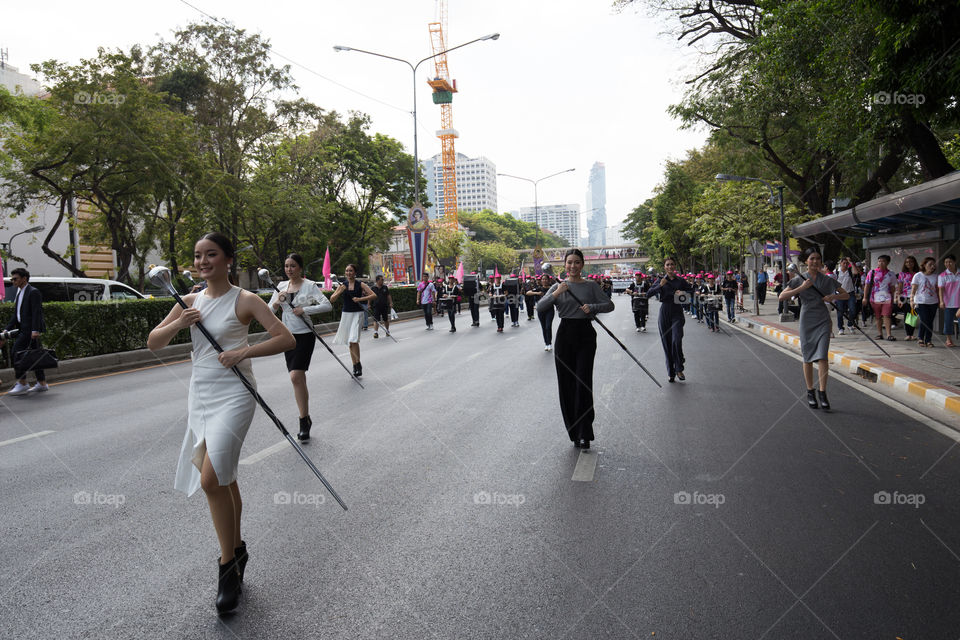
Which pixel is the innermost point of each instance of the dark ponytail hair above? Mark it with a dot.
(221, 241)
(809, 251)
(573, 251)
(296, 258)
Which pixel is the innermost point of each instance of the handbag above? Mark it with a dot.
(35, 358)
(910, 319)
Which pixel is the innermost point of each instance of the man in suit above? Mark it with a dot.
(28, 318)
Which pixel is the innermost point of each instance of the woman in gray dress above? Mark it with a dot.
(814, 291)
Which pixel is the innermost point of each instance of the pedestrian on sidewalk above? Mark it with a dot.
(879, 290)
(545, 317)
(924, 299)
(381, 306)
(674, 293)
(948, 285)
(220, 409)
(576, 345)
(815, 322)
(354, 293)
(762, 279)
(426, 292)
(729, 288)
(28, 318)
(904, 284)
(294, 293)
(844, 307)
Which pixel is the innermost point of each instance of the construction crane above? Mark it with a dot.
(443, 90)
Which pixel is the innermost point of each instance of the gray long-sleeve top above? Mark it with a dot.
(589, 293)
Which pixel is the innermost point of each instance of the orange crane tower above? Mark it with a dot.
(443, 90)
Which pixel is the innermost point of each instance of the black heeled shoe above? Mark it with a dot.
(812, 399)
(305, 424)
(240, 554)
(824, 403)
(358, 370)
(584, 444)
(680, 376)
(228, 589)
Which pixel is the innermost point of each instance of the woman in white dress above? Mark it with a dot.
(298, 292)
(220, 407)
(354, 293)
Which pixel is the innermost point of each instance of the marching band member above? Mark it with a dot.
(448, 300)
(671, 289)
(639, 302)
(498, 301)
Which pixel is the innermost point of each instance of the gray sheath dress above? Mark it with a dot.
(815, 321)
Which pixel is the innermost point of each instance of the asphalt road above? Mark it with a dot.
(721, 507)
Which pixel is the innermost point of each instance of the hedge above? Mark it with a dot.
(80, 329)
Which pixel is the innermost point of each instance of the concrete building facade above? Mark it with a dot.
(561, 219)
(476, 184)
(597, 205)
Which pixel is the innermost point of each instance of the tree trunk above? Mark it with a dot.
(932, 161)
(64, 199)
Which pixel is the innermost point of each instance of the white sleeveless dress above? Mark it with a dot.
(220, 407)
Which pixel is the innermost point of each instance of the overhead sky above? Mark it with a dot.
(569, 82)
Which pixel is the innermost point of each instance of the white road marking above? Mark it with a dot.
(475, 355)
(260, 455)
(586, 465)
(26, 437)
(410, 385)
(607, 389)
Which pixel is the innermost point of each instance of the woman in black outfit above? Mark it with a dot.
(545, 317)
(671, 289)
(576, 345)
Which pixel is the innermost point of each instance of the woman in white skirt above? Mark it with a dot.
(220, 407)
(298, 292)
(354, 293)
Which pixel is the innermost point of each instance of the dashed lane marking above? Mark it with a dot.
(260, 455)
(26, 437)
(586, 466)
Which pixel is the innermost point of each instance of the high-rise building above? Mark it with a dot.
(476, 184)
(597, 205)
(561, 219)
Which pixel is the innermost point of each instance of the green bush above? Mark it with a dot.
(80, 329)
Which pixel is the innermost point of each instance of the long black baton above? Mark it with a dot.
(616, 339)
(265, 277)
(160, 276)
(793, 268)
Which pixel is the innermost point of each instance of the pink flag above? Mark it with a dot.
(459, 274)
(327, 284)
(3, 290)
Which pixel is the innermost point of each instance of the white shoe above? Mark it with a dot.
(843, 332)
(19, 390)
(40, 387)
(638, 329)
(549, 347)
(643, 329)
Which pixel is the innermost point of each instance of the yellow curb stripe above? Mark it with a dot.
(952, 404)
(920, 388)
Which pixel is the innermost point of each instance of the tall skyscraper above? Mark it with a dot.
(597, 201)
(476, 184)
(561, 219)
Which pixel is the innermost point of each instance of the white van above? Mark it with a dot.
(55, 289)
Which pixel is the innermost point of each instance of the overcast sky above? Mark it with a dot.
(569, 82)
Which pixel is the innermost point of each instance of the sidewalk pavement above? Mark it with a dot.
(925, 379)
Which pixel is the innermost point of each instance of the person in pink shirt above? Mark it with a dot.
(878, 291)
(948, 286)
(904, 283)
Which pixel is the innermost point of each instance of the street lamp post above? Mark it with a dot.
(6, 245)
(725, 177)
(536, 204)
(413, 68)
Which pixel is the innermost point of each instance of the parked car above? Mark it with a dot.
(55, 289)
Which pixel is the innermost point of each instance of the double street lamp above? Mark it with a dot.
(536, 205)
(413, 68)
(6, 245)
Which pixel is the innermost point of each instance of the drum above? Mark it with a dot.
(498, 303)
(444, 304)
(639, 303)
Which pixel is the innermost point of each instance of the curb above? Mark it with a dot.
(905, 386)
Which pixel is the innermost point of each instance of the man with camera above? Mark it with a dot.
(28, 319)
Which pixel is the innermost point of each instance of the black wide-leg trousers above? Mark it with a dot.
(671, 337)
(574, 350)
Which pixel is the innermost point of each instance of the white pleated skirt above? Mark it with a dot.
(349, 330)
(220, 412)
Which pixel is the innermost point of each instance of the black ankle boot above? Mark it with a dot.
(240, 553)
(812, 399)
(824, 403)
(228, 591)
(355, 368)
(305, 424)
(359, 370)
